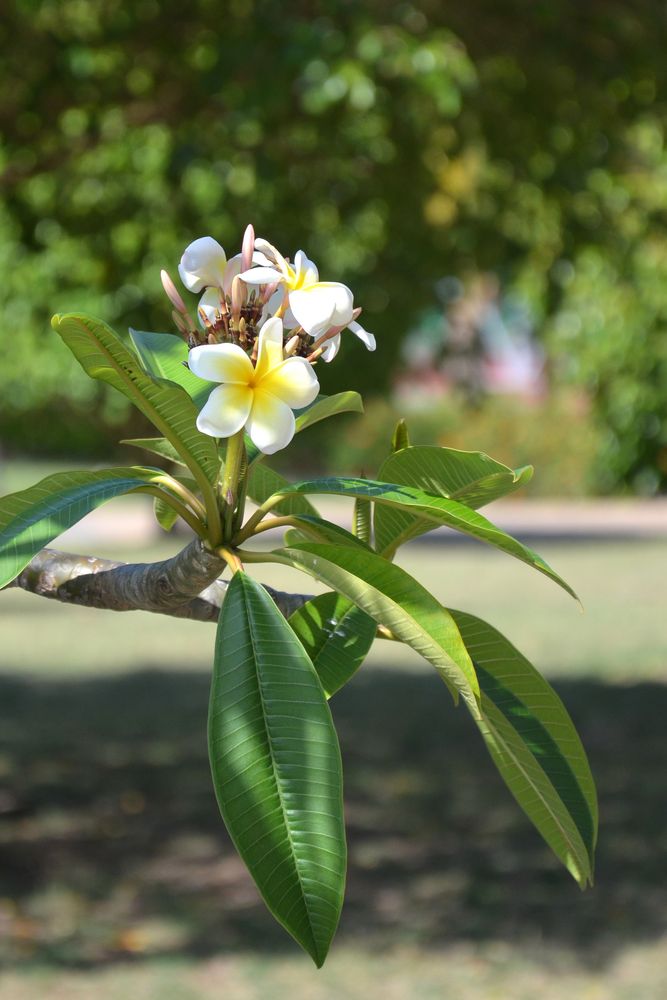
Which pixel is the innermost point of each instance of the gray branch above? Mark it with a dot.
(186, 586)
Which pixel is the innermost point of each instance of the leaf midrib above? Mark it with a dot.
(304, 895)
(532, 784)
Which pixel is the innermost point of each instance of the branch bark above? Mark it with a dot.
(186, 586)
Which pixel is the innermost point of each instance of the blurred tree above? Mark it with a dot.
(399, 141)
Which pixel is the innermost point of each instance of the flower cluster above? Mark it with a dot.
(263, 323)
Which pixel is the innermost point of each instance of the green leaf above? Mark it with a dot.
(328, 406)
(32, 518)
(470, 477)
(158, 446)
(165, 515)
(400, 438)
(392, 598)
(103, 356)
(165, 356)
(438, 510)
(362, 519)
(337, 635)
(263, 482)
(535, 746)
(276, 766)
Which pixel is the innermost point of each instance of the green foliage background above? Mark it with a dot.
(397, 141)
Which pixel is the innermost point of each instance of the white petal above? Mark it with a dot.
(271, 423)
(275, 257)
(226, 410)
(209, 304)
(262, 275)
(319, 306)
(306, 271)
(331, 348)
(272, 306)
(368, 339)
(270, 351)
(221, 363)
(202, 264)
(233, 268)
(293, 381)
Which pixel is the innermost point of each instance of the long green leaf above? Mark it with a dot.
(276, 766)
(535, 746)
(32, 518)
(336, 634)
(438, 510)
(392, 598)
(165, 356)
(103, 356)
(470, 477)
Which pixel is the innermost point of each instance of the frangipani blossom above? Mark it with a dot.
(259, 397)
(316, 305)
(204, 264)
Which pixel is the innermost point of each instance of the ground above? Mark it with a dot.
(117, 878)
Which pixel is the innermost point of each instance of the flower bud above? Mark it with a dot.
(247, 248)
(172, 293)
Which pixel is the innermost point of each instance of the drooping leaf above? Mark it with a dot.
(336, 634)
(470, 477)
(535, 746)
(393, 598)
(164, 355)
(263, 482)
(158, 446)
(102, 355)
(32, 518)
(276, 766)
(438, 510)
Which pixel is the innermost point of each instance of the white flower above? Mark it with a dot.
(316, 305)
(204, 264)
(260, 397)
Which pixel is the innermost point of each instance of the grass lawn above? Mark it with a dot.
(117, 879)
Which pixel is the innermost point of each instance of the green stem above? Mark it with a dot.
(250, 525)
(184, 493)
(234, 462)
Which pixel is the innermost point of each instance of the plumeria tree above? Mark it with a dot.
(233, 387)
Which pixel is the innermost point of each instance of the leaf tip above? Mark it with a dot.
(55, 321)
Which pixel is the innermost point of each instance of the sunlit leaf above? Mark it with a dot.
(438, 510)
(470, 477)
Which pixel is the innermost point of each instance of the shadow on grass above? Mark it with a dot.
(111, 844)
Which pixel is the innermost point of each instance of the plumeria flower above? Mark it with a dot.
(204, 265)
(316, 305)
(259, 397)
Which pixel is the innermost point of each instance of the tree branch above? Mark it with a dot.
(185, 586)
